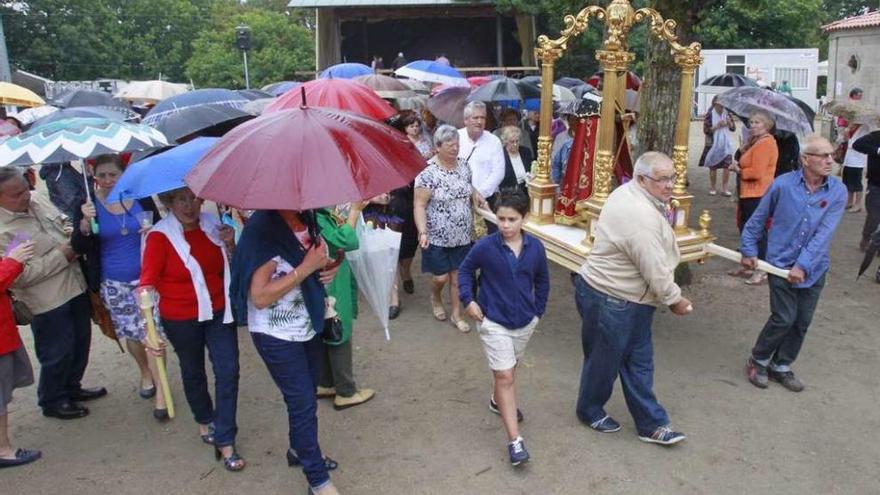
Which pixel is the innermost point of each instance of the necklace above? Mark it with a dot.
(123, 228)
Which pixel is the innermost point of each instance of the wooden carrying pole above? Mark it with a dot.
(736, 257)
(146, 304)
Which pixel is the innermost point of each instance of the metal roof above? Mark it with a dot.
(871, 19)
(380, 3)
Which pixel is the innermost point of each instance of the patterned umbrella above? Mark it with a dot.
(74, 139)
(745, 100)
(211, 96)
(31, 115)
(729, 80)
(81, 112)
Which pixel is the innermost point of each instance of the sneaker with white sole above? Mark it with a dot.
(663, 435)
(517, 451)
(493, 406)
(605, 425)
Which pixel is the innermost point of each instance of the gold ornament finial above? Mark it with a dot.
(705, 222)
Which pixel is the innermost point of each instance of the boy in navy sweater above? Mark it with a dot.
(513, 288)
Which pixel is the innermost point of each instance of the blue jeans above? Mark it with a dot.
(294, 367)
(616, 339)
(62, 338)
(783, 335)
(190, 338)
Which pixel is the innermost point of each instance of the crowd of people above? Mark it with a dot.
(287, 280)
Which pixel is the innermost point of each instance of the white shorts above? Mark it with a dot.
(504, 346)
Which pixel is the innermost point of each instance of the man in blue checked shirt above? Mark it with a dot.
(805, 207)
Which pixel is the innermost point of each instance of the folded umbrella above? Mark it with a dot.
(374, 265)
(348, 70)
(13, 94)
(77, 138)
(161, 172)
(342, 94)
(430, 71)
(746, 100)
(448, 105)
(304, 158)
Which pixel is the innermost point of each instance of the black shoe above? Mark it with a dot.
(393, 312)
(67, 410)
(493, 406)
(161, 415)
(87, 394)
(409, 287)
(293, 461)
(787, 379)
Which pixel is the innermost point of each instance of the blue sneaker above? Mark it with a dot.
(663, 435)
(518, 452)
(605, 425)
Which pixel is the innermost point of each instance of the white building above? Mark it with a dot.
(798, 66)
(854, 56)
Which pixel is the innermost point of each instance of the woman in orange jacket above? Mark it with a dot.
(756, 167)
(15, 367)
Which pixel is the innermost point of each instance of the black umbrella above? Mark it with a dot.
(583, 89)
(82, 112)
(254, 94)
(870, 253)
(204, 120)
(504, 89)
(91, 98)
(808, 110)
(729, 81)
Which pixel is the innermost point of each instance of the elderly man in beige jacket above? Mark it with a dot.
(53, 287)
(629, 272)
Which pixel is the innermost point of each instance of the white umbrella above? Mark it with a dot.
(151, 91)
(374, 266)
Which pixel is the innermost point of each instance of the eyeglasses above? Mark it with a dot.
(820, 155)
(662, 180)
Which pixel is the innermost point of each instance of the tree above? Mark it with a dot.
(280, 47)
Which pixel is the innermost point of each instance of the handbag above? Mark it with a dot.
(21, 311)
(332, 333)
(101, 316)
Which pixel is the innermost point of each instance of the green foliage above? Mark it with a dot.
(280, 46)
(762, 24)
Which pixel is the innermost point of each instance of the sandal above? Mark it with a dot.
(22, 457)
(293, 460)
(208, 438)
(758, 278)
(232, 463)
(461, 325)
(439, 311)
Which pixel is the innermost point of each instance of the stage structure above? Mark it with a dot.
(568, 237)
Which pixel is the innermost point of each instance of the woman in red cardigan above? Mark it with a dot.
(15, 367)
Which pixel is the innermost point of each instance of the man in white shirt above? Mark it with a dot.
(483, 152)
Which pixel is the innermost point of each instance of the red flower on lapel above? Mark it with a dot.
(823, 204)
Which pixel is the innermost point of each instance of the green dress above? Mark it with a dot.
(340, 235)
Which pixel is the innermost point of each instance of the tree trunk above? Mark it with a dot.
(659, 99)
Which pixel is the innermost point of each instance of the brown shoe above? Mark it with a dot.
(359, 397)
(326, 392)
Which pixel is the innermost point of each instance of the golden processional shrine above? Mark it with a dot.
(568, 240)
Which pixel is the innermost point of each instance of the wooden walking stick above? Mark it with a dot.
(145, 300)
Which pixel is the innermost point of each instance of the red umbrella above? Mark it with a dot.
(343, 94)
(632, 80)
(303, 158)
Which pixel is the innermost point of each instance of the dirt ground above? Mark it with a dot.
(429, 431)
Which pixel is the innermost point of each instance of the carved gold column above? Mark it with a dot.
(542, 190)
(688, 59)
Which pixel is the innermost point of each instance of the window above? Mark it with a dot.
(797, 77)
(736, 64)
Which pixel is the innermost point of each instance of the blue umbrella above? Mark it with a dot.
(431, 71)
(81, 112)
(279, 88)
(345, 71)
(162, 172)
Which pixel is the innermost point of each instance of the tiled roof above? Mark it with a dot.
(871, 19)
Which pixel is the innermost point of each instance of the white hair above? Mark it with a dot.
(473, 105)
(444, 134)
(648, 161)
(811, 142)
